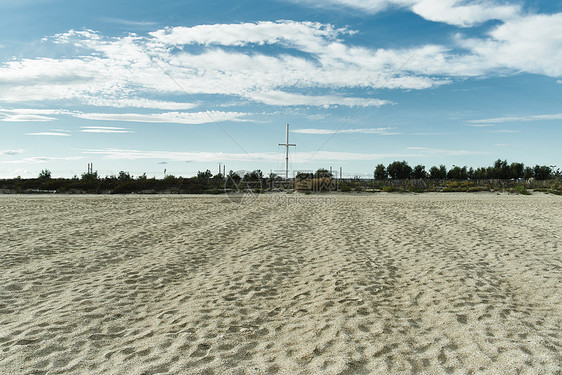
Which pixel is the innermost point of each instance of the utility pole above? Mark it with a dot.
(287, 145)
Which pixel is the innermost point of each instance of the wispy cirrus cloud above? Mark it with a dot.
(127, 22)
(105, 129)
(28, 115)
(454, 12)
(379, 131)
(504, 131)
(136, 103)
(280, 98)
(167, 117)
(41, 159)
(499, 120)
(446, 152)
(49, 134)
(298, 157)
(11, 152)
(309, 57)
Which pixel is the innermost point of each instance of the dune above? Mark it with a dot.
(281, 284)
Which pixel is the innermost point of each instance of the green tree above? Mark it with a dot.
(528, 172)
(543, 172)
(203, 176)
(380, 172)
(470, 173)
(516, 170)
(92, 176)
(255, 175)
(233, 177)
(399, 170)
(438, 173)
(323, 173)
(499, 170)
(124, 176)
(419, 172)
(45, 174)
(480, 174)
(457, 173)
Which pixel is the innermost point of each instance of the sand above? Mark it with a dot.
(283, 284)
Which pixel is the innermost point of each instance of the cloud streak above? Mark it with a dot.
(49, 134)
(167, 117)
(454, 12)
(41, 159)
(499, 120)
(379, 131)
(296, 157)
(233, 61)
(105, 129)
(11, 152)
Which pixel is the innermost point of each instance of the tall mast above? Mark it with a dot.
(287, 145)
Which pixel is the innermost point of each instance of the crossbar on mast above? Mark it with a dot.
(287, 145)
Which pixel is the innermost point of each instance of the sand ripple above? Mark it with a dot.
(405, 284)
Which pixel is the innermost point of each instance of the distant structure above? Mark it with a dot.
(90, 168)
(287, 145)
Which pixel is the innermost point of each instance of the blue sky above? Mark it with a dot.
(143, 86)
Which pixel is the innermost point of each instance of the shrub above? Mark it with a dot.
(346, 188)
(390, 189)
(521, 190)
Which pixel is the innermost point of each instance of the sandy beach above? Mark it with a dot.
(281, 284)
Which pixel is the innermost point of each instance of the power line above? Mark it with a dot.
(363, 105)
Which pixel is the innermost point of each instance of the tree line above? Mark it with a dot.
(206, 182)
(400, 170)
(124, 183)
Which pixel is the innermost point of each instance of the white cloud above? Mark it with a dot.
(117, 67)
(129, 71)
(32, 115)
(379, 131)
(463, 13)
(136, 103)
(454, 12)
(302, 35)
(298, 157)
(41, 159)
(446, 152)
(29, 115)
(104, 129)
(497, 120)
(49, 134)
(289, 99)
(505, 131)
(531, 44)
(168, 117)
(126, 22)
(19, 172)
(27, 118)
(11, 152)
